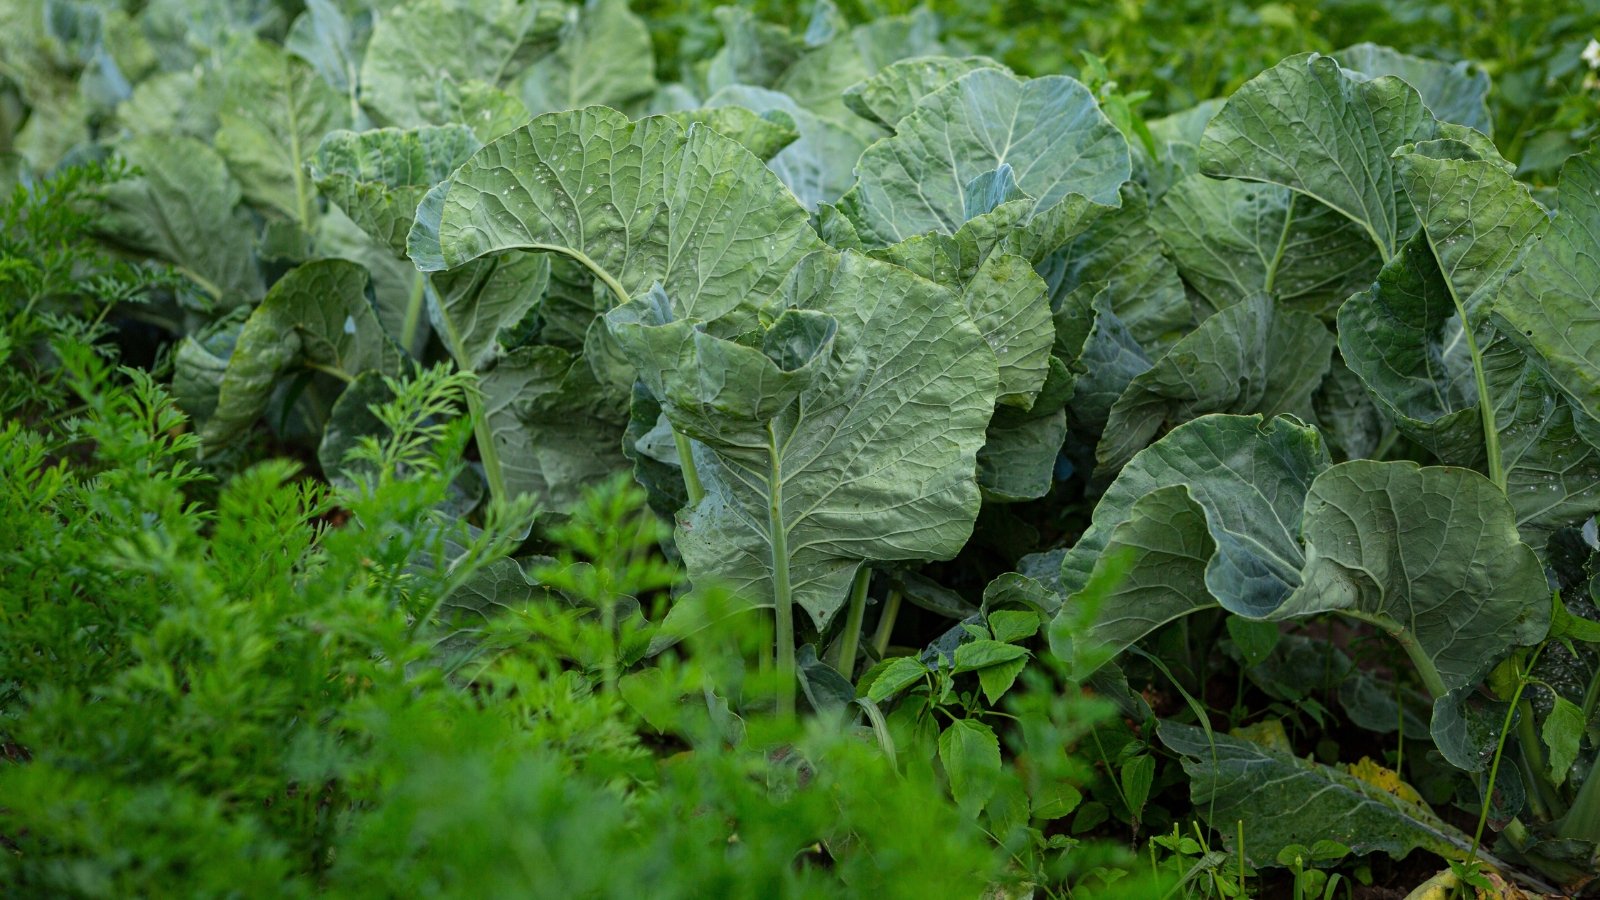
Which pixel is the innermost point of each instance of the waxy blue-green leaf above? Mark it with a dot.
(274, 111)
(333, 43)
(637, 203)
(1552, 305)
(1454, 92)
(764, 134)
(1430, 555)
(1231, 239)
(555, 429)
(422, 51)
(604, 58)
(1251, 357)
(1165, 546)
(873, 461)
(1307, 125)
(1102, 352)
(319, 316)
(1049, 130)
(379, 177)
(1282, 801)
(818, 166)
(474, 309)
(894, 91)
(1121, 249)
(185, 208)
(1018, 458)
(1251, 479)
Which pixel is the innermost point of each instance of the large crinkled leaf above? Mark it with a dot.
(1121, 249)
(1280, 801)
(396, 284)
(1552, 305)
(1309, 126)
(424, 50)
(1049, 130)
(875, 458)
(1405, 335)
(1433, 557)
(1251, 357)
(1403, 339)
(379, 177)
(764, 134)
(638, 203)
(1231, 239)
(605, 58)
(1162, 549)
(318, 316)
(184, 208)
(894, 91)
(555, 429)
(275, 109)
(477, 308)
(1018, 458)
(818, 167)
(1454, 92)
(1249, 477)
(1105, 359)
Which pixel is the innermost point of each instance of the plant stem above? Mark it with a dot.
(414, 305)
(891, 609)
(782, 600)
(1494, 767)
(1426, 670)
(844, 655)
(1283, 243)
(691, 475)
(1583, 819)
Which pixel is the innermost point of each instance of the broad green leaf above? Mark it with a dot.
(1307, 125)
(1049, 130)
(317, 317)
(1012, 625)
(199, 363)
(396, 283)
(898, 675)
(1430, 555)
(1019, 454)
(275, 109)
(1136, 776)
(818, 166)
(1282, 801)
(421, 49)
(1122, 250)
(1251, 357)
(1255, 639)
(476, 308)
(605, 58)
(894, 91)
(970, 754)
(873, 460)
(762, 134)
(1454, 92)
(1107, 358)
(1234, 239)
(638, 203)
(979, 654)
(1165, 547)
(555, 429)
(1551, 305)
(185, 208)
(1562, 733)
(995, 680)
(1249, 477)
(379, 177)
